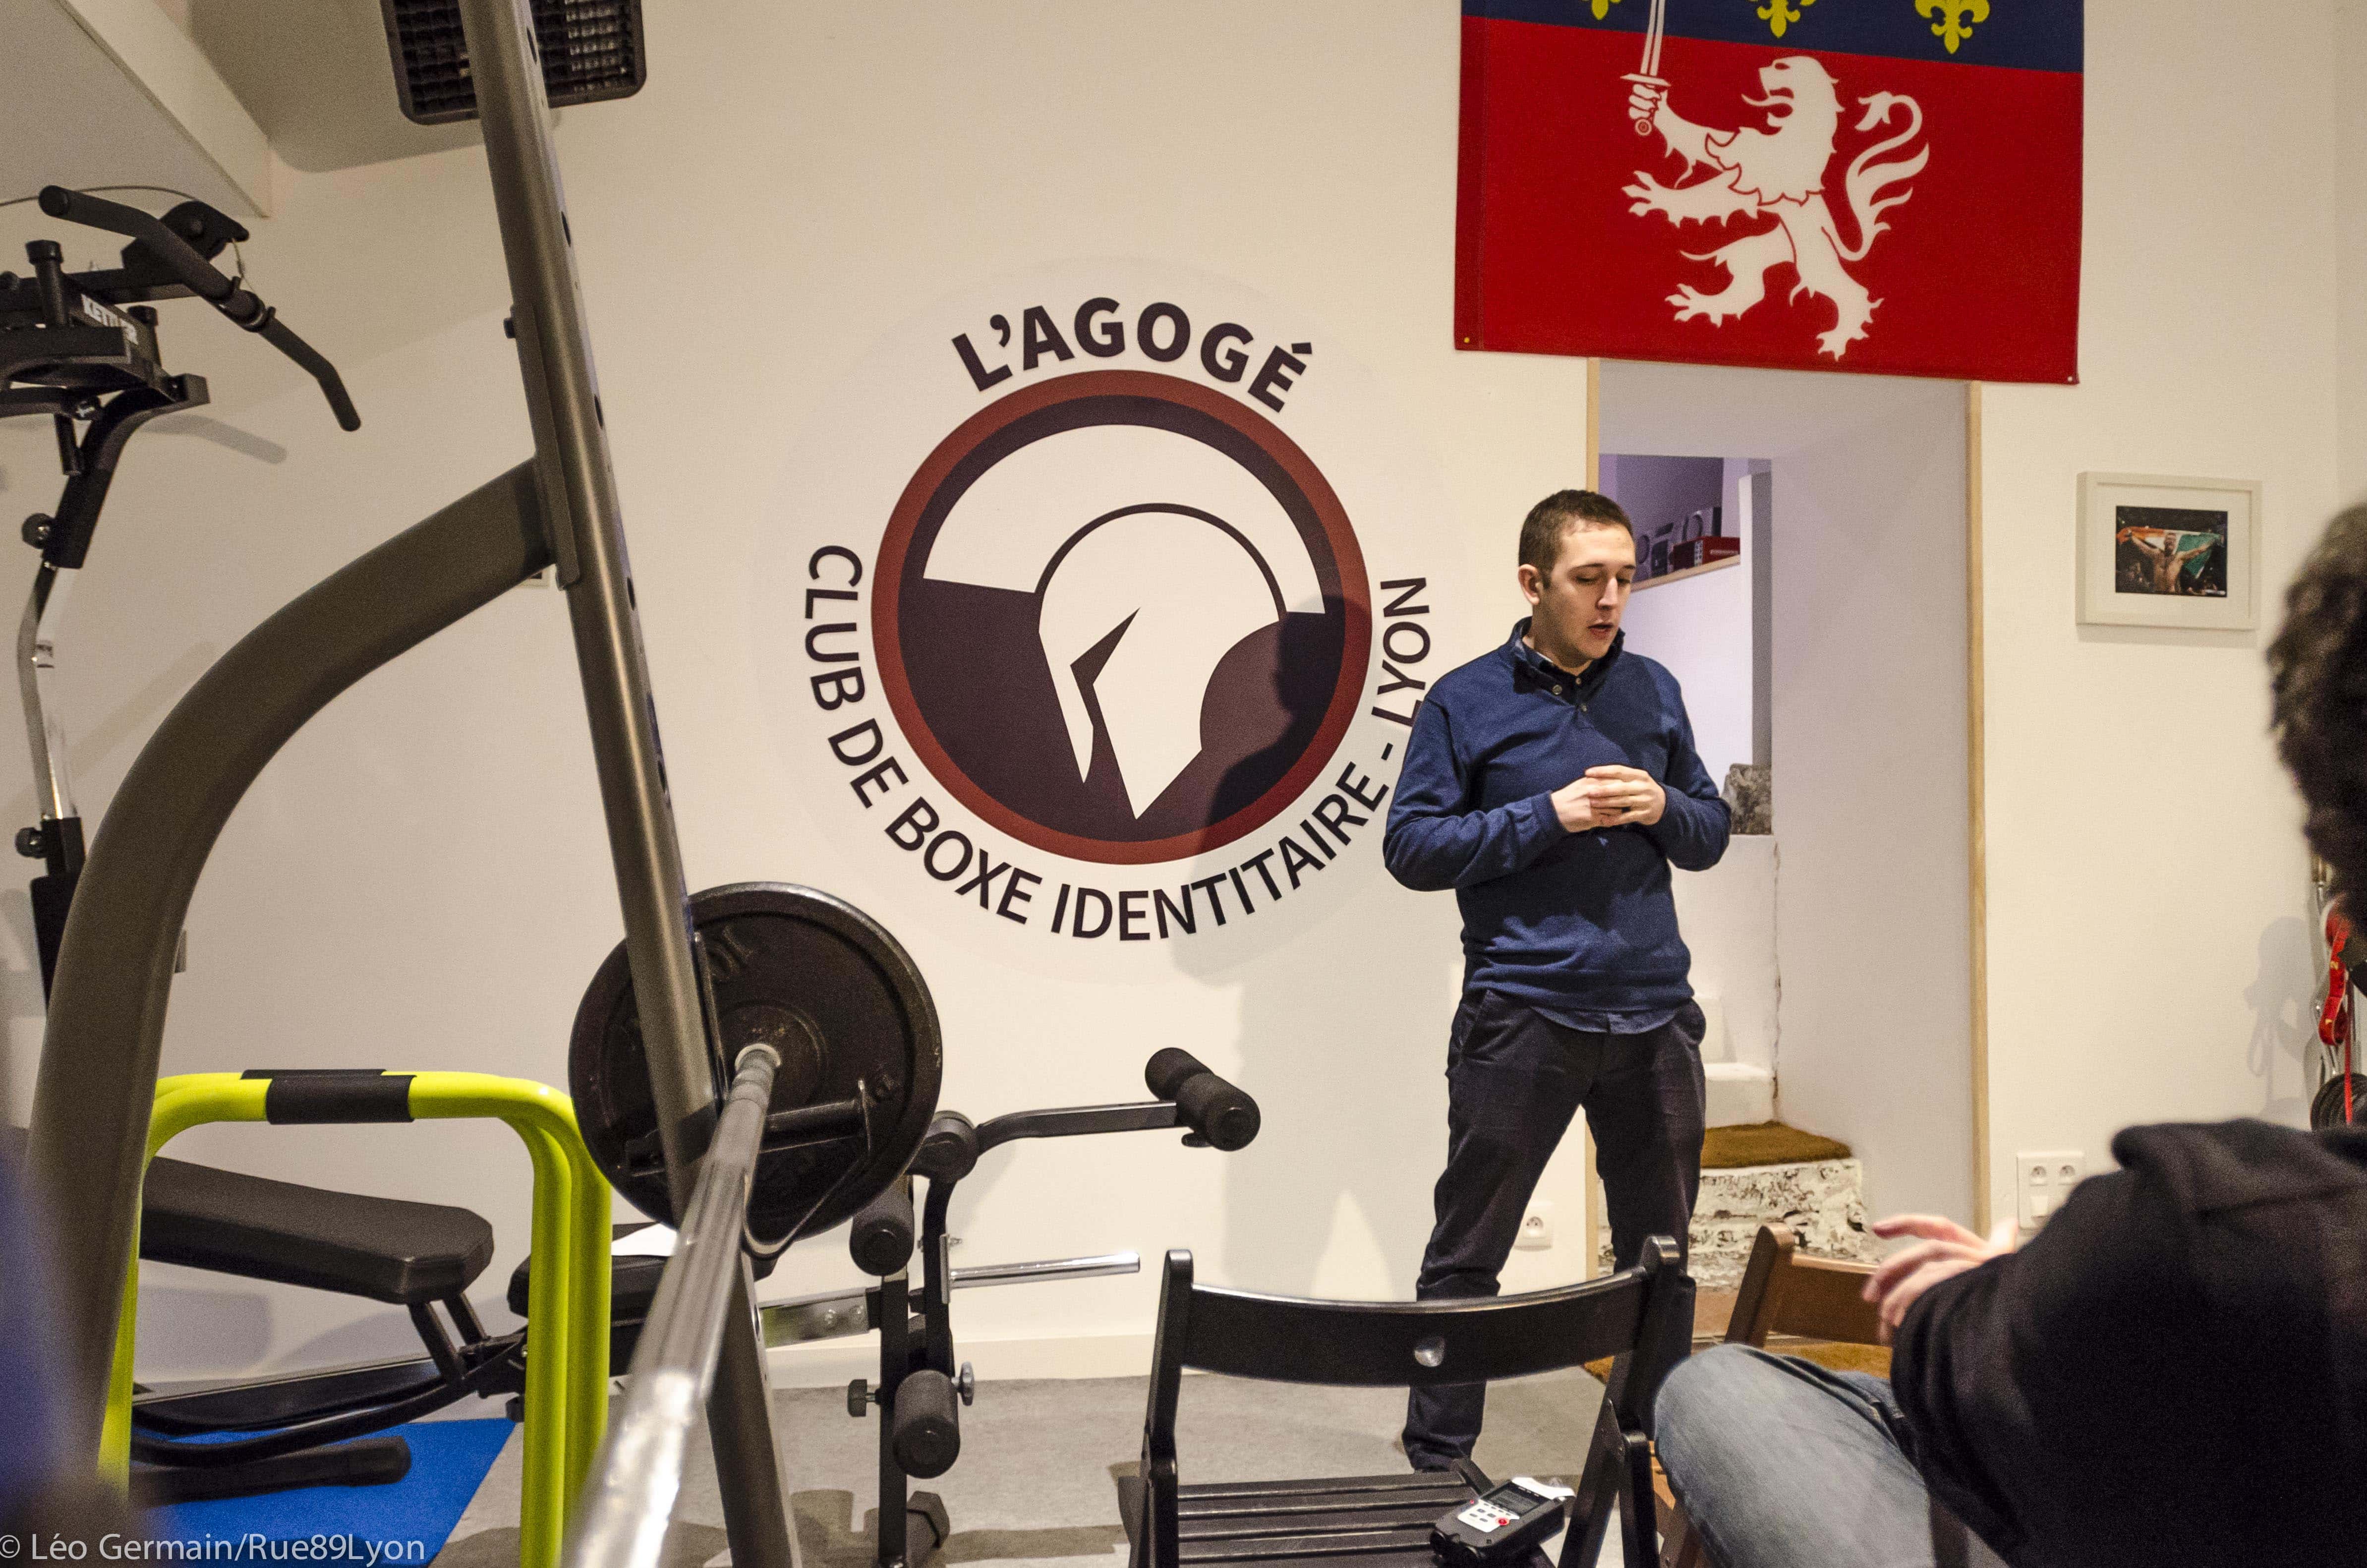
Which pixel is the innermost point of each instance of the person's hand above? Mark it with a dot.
(1575, 804)
(1946, 1249)
(1627, 797)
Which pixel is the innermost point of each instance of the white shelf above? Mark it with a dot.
(1688, 572)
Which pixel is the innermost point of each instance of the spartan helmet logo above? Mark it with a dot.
(1122, 617)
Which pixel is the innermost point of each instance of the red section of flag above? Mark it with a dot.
(1976, 274)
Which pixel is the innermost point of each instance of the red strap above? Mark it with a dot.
(2334, 1017)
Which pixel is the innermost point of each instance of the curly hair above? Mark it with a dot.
(2317, 676)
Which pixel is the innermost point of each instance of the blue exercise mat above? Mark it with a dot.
(405, 1522)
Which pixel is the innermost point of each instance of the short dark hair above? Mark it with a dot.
(1540, 531)
(2317, 677)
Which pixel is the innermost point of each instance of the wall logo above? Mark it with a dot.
(1092, 647)
(1122, 617)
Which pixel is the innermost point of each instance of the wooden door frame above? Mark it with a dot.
(1976, 796)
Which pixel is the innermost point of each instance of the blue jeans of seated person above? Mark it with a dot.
(1515, 1079)
(1781, 1463)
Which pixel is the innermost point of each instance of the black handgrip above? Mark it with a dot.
(332, 386)
(1218, 1111)
(880, 1240)
(202, 278)
(206, 282)
(1226, 1117)
(1170, 1070)
(926, 1437)
(316, 1097)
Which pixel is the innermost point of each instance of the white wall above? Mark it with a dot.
(2350, 253)
(1727, 916)
(2137, 974)
(2350, 264)
(1868, 706)
(1700, 627)
(422, 876)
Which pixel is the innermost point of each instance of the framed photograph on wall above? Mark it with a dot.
(2176, 553)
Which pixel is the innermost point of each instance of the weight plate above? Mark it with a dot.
(826, 985)
(2326, 1107)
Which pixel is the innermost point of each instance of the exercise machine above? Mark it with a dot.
(558, 509)
(923, 1382)
(82, 349)
(566, 1367)
(844, 1010)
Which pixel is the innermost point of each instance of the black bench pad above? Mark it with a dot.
(384, 1249)
(632, 1282)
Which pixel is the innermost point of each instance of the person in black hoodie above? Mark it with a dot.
(2173, 1371)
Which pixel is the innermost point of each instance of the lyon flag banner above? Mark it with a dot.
(1884, 186)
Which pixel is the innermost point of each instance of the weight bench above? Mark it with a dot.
(408, 1255)
(1643, 1316)
(563, 1351)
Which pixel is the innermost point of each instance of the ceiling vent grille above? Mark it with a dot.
(591, 50)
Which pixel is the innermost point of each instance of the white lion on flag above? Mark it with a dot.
(1779, 172)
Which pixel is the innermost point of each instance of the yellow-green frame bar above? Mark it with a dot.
(567, 1333)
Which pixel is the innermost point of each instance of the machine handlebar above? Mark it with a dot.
(202, 279)
(1220, 1112)
(1189, 1095)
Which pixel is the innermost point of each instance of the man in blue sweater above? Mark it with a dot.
(1552, 783)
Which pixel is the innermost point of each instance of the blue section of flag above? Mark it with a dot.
(2030, 35)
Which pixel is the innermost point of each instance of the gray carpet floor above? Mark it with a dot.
(1036, 1483)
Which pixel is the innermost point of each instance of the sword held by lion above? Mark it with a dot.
(1777, 172)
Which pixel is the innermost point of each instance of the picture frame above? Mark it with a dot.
(2168, 551)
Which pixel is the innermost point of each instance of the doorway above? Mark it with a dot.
(1847, 496)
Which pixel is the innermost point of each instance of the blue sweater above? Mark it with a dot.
(1569, 923)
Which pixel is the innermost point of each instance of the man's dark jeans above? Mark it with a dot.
(1514, 1078)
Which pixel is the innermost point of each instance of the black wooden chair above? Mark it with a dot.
(1643, 1316)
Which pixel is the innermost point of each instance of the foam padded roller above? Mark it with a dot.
(1224, 1115)
(927, 1437)
(880, 1240)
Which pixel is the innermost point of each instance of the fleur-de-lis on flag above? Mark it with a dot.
(1957, 19)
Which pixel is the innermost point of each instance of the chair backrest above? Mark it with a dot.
(1784, 1291)
(1643, 1315)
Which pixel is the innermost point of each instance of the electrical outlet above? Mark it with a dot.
(2044, 1179)
(1536, 1227)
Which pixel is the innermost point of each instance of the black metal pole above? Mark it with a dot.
(588, 539)
(630, 1495)
(891, 1543)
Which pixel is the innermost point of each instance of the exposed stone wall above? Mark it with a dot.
(1750, 795)
(1823, 1202)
